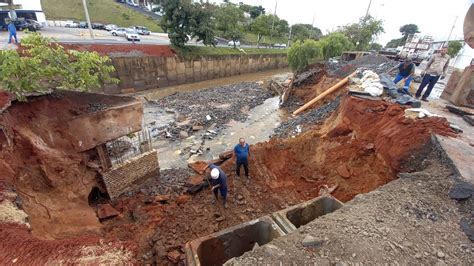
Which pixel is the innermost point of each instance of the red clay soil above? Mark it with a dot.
(354, 157)
(19, 247)
(123, 49)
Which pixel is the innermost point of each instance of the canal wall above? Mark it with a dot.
(150, 72)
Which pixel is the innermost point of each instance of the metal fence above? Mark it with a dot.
(130, 146)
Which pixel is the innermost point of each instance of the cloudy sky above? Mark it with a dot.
(433, 17)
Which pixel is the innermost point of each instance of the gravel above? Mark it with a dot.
(378, 63)
(213, 107)
(304, 121)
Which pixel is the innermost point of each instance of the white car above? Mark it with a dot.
(131, 35)
(110, 27)
(71, 24)
(231, 43)
(119, 32)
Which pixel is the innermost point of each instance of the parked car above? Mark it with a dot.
(279, 45)
(142, 30)
(110, 27)
(35, 24)
(20, 25)
(132, 3)
(71, 24)
(98, 26)
(231, 43)
(118, 32)
(131, 35)
(82, 25)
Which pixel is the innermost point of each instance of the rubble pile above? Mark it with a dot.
(205, 108)
(377, 63)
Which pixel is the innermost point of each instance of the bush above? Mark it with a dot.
(41, 65)
(302, 53)
(334, 44)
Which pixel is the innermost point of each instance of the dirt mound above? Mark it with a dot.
(378, 63)
(123, 50)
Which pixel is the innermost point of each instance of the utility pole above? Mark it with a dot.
(88, 19)
(312, 26)
(274, 14)
(289, 37)
(368, 8)
(451, 32)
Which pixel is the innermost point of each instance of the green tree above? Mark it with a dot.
(375, 47)
(405, 30)
(184, 19)
(254, 11)
(305, 31)
(42, 65)
(262, 26)
(364, 32)
(334, 44)
(301, 54)
(454, 47)
(229, 21)
(394, 43)
(281, 27)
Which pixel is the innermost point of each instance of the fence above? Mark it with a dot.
(130, 146)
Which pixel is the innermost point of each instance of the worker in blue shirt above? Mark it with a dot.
(218, 183)
(12, 32)
(242, 152)
(406, 70)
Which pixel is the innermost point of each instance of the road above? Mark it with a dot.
(76, 35)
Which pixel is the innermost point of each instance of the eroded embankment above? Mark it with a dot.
(358, 149)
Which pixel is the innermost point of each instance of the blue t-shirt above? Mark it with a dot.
(242, 153)
(405, 71)
(11, 28)
(222, 180)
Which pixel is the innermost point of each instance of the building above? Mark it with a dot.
(26, 9)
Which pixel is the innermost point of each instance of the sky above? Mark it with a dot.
(433, 17)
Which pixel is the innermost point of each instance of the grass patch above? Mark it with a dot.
(252, 38)
(100, 11)
(194, 51)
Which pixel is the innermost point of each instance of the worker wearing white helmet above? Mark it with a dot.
(218, 182)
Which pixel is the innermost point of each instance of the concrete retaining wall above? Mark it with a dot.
(120, 177)
(142, 73)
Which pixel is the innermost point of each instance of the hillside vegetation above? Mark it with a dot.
(100, 11)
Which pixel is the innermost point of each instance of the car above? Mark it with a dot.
(35, 24)
(131, 35)
(231, 43)
(279, 45)
(20, 25)
(110, 27)
(142, 30)
(71, 24)
(118, 32)
(98, 26)
(82, 25)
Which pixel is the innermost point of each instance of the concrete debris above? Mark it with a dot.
(183, 134)
(162, 198)
(106, 211)
(273, 251)
(174, 256)
(461, 191)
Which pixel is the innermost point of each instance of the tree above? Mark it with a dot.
(394, 43)
(42, 65)
(229, 20)
(454, 47)
(363, 33)
(262, 26)
(406, 30)
(302, 53)
(334, 44)
(305, 31)
(254, 11)
(183, 19)
(375, 47)
(281, 27)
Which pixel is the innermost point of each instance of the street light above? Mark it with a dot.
(88, 18)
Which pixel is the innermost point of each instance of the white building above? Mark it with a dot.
(25, 9)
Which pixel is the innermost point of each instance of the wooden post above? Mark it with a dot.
(324, 94)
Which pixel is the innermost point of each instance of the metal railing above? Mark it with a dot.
(130, 146)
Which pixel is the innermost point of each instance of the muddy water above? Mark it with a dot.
(259, 125)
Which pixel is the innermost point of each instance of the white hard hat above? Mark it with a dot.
(215, 173)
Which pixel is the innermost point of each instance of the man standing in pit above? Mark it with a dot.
(435, 69)
(405, 72)
(242, 152)
(218, 182)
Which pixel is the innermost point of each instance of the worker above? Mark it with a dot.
(242, 152)
(218, 183)
(12, 32)
(405, 71)
(435, 69)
